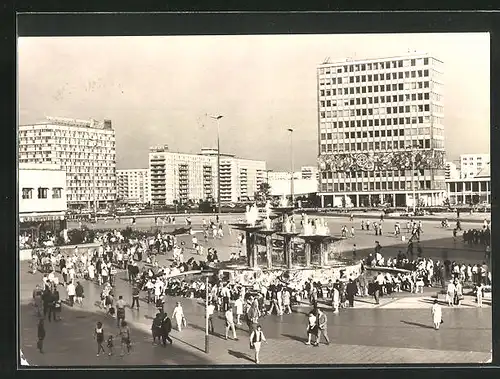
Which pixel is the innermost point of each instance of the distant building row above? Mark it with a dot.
(86, 151)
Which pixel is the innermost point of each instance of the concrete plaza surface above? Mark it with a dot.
(398, 330)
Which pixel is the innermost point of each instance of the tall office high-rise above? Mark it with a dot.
(381, 131)
(84, 149)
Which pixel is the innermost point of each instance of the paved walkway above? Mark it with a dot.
(436, 242)
(360, 335)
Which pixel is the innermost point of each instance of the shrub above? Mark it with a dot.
(127, 232)
(76, 236)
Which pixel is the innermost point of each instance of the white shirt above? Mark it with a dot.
(238, 304)
(71, 289)
(210, 309)
(229, 316)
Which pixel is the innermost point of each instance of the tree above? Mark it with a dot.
(263, 193)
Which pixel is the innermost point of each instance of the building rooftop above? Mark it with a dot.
(63, 121)
(484, 172)
(348, 60)
(40, 166)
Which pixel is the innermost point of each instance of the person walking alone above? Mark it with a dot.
(437, 315)
(178, 314)
(230, 323)
(120, 311)
(135, 296)
(210, 314)
(40, 335)
(256, 339)
(351, 291)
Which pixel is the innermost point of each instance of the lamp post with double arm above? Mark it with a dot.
(291, 167)
(217, 118)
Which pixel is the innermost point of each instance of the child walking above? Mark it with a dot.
(110, 345)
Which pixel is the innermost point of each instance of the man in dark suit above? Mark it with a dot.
(351, 290)
(166, 328)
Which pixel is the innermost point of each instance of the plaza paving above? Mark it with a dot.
(436, 242)
(398, 330)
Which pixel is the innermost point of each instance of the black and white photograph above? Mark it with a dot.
(267, 199)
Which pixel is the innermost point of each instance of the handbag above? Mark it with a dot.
(442, 321)
(252, 346)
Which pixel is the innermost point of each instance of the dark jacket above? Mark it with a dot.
(79, 290)
(351, 289)
(41, 332)
(166, 325)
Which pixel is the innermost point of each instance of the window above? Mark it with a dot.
(426, 61)
(56, 193)
(375, 77)
(426, 96)
(426, 72)
(400, 75)
(413, 62)
(27, 193)
(42, 193)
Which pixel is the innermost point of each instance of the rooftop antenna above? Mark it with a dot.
(326, 60)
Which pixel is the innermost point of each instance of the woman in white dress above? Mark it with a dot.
(450, 293)
(91, 270)
(336, 300)
(238, 304)
(437, 315)
(178, 314)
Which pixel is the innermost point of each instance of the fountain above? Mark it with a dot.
(250, 227)
(315, 238)
(315, 234)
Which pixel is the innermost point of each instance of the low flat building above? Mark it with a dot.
(42, 198)
(471, 191)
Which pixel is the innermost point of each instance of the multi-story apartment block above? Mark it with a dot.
(180, 177)
(451, 171)
(85, 149)
(381, 131)
(471, 164)
(309, 172)
(134, 186)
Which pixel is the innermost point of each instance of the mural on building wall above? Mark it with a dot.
(378, 161)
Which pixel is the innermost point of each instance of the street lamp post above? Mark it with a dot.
(206, 317)
(217, 118)
(207, 274)
(412, 176)
(291, 166)
(94, 181)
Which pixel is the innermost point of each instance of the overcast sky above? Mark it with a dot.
(158, 90)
